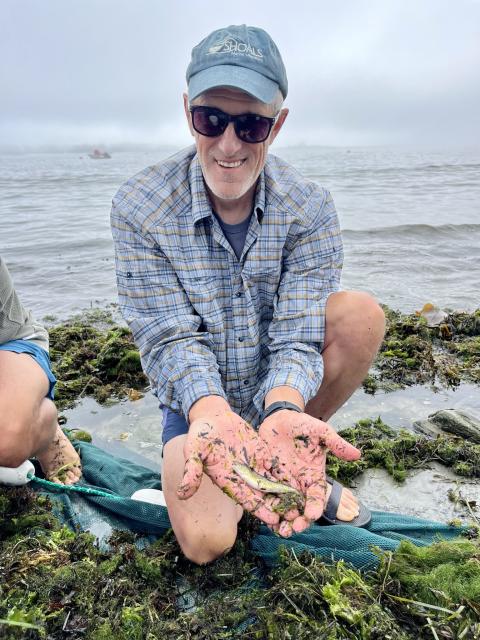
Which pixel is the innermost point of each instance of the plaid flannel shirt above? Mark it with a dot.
(207, 323)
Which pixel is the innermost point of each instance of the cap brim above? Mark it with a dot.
(253, 83)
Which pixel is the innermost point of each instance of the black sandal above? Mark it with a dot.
(329, 516)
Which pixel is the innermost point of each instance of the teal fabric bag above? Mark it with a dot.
(122, 477)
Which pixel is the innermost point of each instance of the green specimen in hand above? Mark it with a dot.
(288, 497)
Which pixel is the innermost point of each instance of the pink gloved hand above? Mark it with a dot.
(214, 445)
(298, 443)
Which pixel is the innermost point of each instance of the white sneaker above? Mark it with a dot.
(17, 476)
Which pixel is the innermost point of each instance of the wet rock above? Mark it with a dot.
(451, 421)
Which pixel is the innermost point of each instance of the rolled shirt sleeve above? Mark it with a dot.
(311, 272)
(176, 353)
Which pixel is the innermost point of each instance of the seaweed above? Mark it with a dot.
(415, 353)
(401, 451)
(91, 355)
(59, 584)
(436, 588)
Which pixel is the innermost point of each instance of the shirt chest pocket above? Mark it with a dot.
(262, 284)
(206, 297)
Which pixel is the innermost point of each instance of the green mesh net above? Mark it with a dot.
(122, 477)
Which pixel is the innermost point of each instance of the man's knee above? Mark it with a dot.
(202, 548)
(354, 315)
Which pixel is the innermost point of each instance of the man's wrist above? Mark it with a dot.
(280, 405)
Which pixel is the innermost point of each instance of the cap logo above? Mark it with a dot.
(231, 45)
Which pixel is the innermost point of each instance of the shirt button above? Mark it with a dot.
(238, 294)
(246, 382)
(241, 339)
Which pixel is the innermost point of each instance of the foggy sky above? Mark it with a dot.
(362, 72)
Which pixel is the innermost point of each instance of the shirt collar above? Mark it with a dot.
(201, 206)
(259, 204)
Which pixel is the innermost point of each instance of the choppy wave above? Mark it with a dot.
(416, 230)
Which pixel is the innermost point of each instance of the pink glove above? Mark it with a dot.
(214, 445)
(298, 443)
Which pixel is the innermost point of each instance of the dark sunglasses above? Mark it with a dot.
(249, 127)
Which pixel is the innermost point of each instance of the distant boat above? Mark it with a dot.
(98, 154)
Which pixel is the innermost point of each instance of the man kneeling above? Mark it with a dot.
(228, 269)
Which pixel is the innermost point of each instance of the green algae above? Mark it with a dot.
(63, 585)
(437, 585)
(92, 356)
(414, 353)
(401, 451)
(307, 598)
(59, 584)
(78, 434)
(445, 572)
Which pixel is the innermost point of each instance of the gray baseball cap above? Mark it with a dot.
(237, 56)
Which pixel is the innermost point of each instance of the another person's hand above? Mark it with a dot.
(298, 444)
(214, 445)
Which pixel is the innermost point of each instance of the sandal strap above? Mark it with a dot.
(334, 500)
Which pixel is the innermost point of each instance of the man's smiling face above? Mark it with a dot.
(231, 167)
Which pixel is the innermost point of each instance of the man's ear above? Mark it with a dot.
(282, 116)
(188, 114)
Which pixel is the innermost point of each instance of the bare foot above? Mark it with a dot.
(348, 507)
(59, 461)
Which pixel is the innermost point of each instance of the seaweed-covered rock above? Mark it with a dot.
(398, 451)
(94, 359)
(450, 421)
(417, 350)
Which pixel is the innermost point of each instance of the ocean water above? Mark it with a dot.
(411, 223)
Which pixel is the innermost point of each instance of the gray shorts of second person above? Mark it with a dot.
(173, 425)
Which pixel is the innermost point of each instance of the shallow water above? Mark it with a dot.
(130, 428)
(138, 424)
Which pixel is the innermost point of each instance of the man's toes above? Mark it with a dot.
(348, 508)
(349, 502)
(346, 514)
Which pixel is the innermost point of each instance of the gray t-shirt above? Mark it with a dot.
(236, 234)
(16, 322)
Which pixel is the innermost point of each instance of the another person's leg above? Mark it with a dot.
(355, 326)
(205, 525)
(28, 419)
